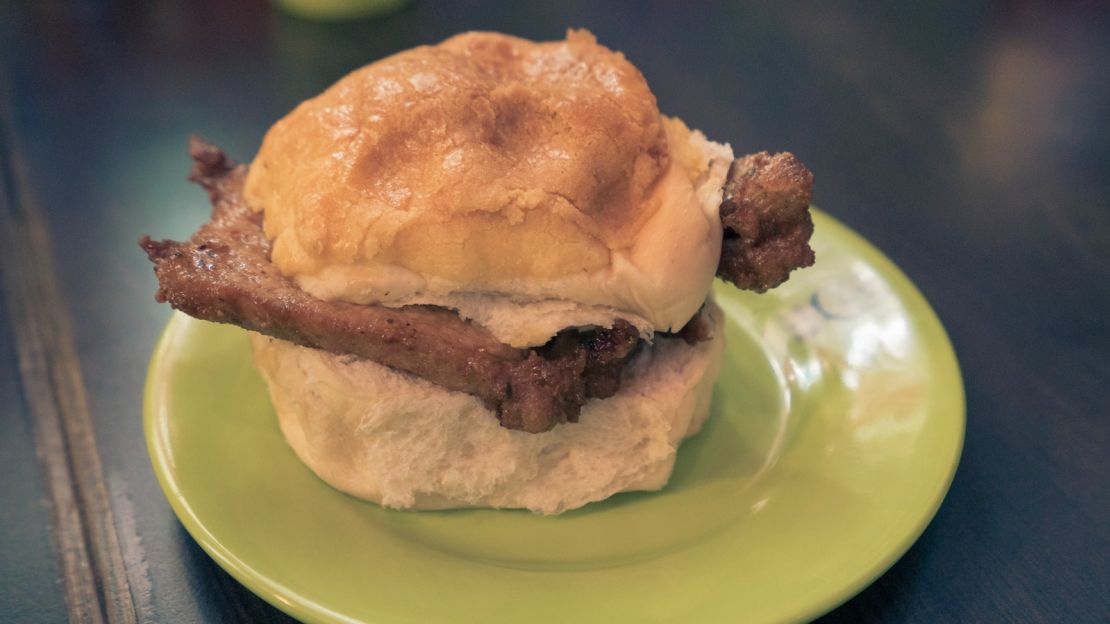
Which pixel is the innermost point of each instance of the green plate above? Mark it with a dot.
(836, 428)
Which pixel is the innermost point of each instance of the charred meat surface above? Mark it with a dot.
(765, 214)
(223, 274)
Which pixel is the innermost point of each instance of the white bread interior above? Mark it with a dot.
(405, 443)
(490, 171)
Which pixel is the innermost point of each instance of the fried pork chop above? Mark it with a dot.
(224, 274)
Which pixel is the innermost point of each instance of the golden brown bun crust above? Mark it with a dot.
(488, 172)
(486, 155)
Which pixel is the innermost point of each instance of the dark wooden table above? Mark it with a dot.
(970, 142)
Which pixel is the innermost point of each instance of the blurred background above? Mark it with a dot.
(969, 141)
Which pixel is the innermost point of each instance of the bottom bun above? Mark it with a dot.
(406, 443)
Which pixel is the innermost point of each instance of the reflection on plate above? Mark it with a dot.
(837, 425)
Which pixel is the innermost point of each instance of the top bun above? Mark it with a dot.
(496, 167)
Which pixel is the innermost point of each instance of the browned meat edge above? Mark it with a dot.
(765, 214)
(223, 274)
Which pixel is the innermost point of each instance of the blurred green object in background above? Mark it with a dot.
(336, 10)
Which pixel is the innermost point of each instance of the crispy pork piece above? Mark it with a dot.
(224, 274)
(766, 218)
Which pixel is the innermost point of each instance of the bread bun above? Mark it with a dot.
(405, 443)
(495, 166)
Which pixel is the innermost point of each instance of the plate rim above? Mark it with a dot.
(305, 609)
(944, 350)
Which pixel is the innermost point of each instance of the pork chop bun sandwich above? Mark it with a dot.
(477, 274)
